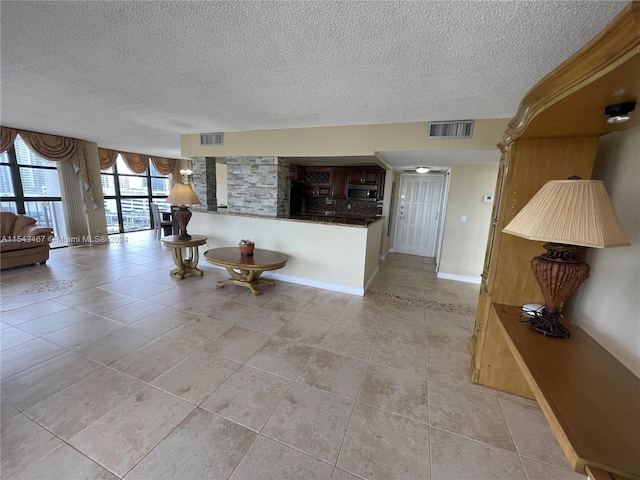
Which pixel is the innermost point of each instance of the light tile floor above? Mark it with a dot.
(113, 369)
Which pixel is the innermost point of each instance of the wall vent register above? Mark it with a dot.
(211, 138)
(451, 129)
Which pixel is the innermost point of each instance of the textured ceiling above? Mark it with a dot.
(135, 75)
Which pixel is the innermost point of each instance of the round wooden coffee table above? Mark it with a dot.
(189, 263)
(246, 271)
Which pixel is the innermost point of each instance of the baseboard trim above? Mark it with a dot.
(334, 287)
(459, 278)
(371, 278)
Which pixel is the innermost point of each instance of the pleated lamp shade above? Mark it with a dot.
(182, 194)
(574, 212)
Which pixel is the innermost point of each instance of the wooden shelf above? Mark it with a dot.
(590, 399)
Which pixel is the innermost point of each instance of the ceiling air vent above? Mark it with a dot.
(453, 129)
(211, 138)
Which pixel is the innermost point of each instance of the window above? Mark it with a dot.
(127, 195)
(29, 185)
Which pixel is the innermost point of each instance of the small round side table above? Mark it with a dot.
(186, 264)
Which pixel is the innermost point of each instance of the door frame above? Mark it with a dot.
(442, 216)
(444, 190)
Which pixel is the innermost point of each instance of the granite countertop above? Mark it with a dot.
(335, 219)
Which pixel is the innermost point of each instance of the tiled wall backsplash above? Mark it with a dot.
(318, 206)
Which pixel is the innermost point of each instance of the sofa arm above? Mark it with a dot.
(33, 232)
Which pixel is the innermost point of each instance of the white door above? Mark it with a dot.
(418, 212)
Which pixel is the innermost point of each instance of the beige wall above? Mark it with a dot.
(372, 253)
(327, 256)
(464, 244)
(342, 141)
(607, 305)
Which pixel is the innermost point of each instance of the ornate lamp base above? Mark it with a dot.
(183, 215)
(559, 272)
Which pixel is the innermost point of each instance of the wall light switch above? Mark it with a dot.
(463, 219)
(487, 198)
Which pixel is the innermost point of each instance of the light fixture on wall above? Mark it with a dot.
(182, 195)
(569, 215)
(422, 170)
(619, 112)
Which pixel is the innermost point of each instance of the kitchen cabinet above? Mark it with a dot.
(382, 175)
(339, 180)
(296, 173)
(333, 181)
(317, 182)
(364, 176)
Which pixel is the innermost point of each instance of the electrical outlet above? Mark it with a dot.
(348, 206)
(463, 219)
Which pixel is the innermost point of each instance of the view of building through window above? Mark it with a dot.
(29, 185)
(127, 196)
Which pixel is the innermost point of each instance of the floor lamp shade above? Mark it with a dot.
(182, 195)
(569, 215)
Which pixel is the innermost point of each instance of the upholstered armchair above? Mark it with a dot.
(22, 242)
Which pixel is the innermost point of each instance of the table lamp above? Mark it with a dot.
(182, 195)
(569, 215)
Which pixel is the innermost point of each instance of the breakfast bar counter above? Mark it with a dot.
(334, 256)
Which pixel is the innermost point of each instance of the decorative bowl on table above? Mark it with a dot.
(246, 248)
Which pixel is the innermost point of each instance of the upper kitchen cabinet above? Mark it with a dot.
(317, 181)
(382, 175)
(364, 176)
(296, 173)
(339, 180)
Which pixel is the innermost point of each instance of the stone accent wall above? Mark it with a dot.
(258, 186)
(204, 182)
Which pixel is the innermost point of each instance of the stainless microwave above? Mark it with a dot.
(362, 192)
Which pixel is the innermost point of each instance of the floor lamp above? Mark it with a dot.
(569, 215)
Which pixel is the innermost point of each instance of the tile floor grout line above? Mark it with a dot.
(65, 442)
(495, 393)
(95, 258)
(473, 439)
(195, 407)
(355, 404)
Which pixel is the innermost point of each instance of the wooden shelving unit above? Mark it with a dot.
(554, 135)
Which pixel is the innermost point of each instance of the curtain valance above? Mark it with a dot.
(107, 158)
(56, 149)
(138, 163)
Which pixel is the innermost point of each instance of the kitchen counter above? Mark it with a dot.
(323, 254)
(335, 218)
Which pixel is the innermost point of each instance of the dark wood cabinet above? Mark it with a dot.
(382, 175)
(296, 173)
(339, 180)
(317, 182)
(364, 176)
(334, 181)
